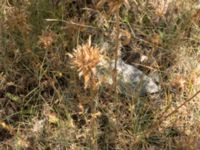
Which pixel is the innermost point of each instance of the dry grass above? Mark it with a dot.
(51, 94)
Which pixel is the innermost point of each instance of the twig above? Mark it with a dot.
(145, 66)
(71, 23)
(157, 123)
(181, 105)
(116, 50)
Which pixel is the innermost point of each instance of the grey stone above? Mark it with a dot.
(132, 80)
(132, 77)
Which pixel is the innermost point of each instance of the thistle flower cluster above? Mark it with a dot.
(86, 58)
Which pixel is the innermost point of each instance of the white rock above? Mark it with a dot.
(130, 79)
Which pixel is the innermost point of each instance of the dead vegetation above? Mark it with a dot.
(56, 93)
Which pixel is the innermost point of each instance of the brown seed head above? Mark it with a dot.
(86, 58)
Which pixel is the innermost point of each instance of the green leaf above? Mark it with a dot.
(14, 98)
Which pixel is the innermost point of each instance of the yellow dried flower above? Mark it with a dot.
(46, 39)
(17, 18)
(179, 82)
(86, 58)
(23, 143)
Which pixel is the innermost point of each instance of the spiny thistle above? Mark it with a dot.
(85, 59)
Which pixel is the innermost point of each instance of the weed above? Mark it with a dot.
(58, 91)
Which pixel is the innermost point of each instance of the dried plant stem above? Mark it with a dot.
(94, 135)
(116, 50)
(163, 117)
(181, 105)
(71, 23)
(1, 34)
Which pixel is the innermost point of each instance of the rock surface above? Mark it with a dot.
(132, 80)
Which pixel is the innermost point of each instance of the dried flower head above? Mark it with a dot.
(179, 82)
(17, 19)
(125, 37)
(113, 5)
(22, 142)
(86, 58)
(155, 39)
(46, 39)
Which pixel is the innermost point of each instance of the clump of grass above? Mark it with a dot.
(52, 101)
